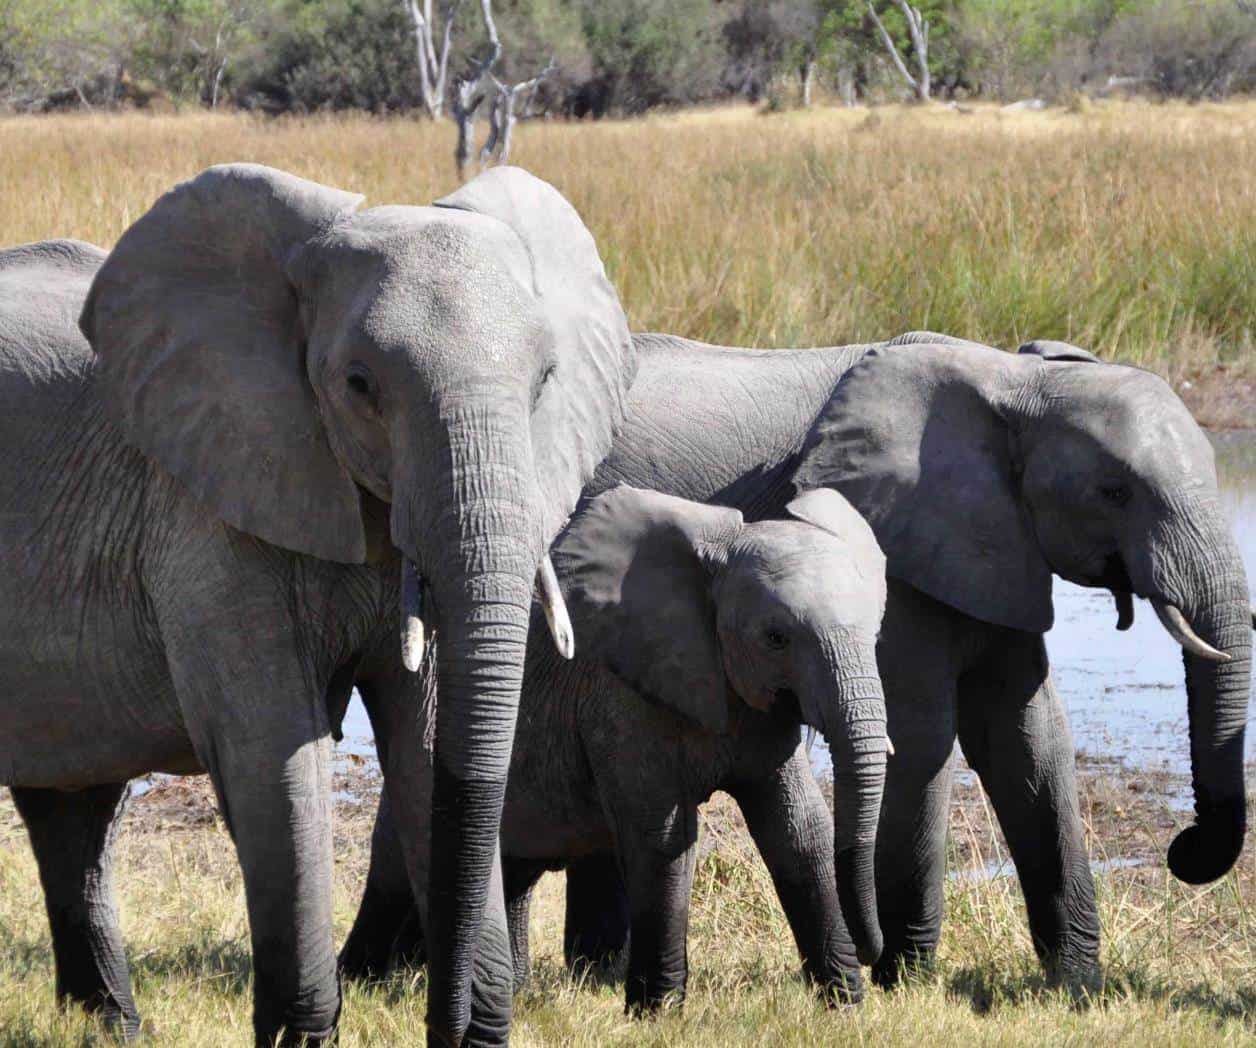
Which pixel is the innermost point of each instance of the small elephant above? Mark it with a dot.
(225, 444)
(705, 642)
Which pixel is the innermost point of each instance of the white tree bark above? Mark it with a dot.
(918, 28)
(433, 61)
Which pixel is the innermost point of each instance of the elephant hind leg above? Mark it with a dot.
(1015, 734)
(72, 835)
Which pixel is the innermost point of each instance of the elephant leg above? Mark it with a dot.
(918, 675)
(519, 877)
(658, 863)
(72, 835)
(387, 930)
(392, 697)
(1015, 734)
(793, 830)
(597, 921)
(278, 808)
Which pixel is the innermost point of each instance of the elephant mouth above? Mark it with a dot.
(785, 702)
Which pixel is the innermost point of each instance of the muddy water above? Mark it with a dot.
(1123, 691)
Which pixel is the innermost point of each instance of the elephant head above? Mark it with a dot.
(295, 362)
(983, 473)
(695, 609)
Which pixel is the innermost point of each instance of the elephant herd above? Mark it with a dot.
(272, 447)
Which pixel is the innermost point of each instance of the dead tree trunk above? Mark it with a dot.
(502, 116)
(918, 29)
(806, 73)
(433, 60)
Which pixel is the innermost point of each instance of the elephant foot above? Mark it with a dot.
(908, 964)
(285, 1037)
(845, 989)
(1082, 980)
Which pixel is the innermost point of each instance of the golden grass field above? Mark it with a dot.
(1130, 229)
(1180, 962)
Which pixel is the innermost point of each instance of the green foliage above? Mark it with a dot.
(612, 56)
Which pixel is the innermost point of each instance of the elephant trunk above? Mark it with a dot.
(854, 728)
(1206, 608)
(473, 533)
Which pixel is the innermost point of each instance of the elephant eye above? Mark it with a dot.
(361, 382)
(775, 639)
(1117, 494)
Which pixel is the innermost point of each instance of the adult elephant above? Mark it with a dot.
(289, 407)
(982, 473)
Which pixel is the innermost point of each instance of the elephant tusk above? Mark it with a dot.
(1179, 629)
(555, 609)
(412, 638)
(889, 747)
(1124, 610)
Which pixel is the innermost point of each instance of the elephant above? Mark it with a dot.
(982, 473)
(260, 430)
(704, 643)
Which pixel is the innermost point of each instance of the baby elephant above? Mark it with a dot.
(703, 643)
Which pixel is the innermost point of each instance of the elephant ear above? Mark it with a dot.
(591, 359)
(636, 568)
(916, 439)
(824, 508)
(201, 360)
(1050, 350)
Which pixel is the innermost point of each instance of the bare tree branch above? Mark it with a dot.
(918, 29)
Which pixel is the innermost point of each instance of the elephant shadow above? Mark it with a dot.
(984, 989)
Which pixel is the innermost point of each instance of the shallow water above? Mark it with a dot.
(1123, 691)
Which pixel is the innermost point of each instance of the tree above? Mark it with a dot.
(918, 27)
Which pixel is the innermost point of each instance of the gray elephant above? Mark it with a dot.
(704, 643)
(982, 474)
(204, 524)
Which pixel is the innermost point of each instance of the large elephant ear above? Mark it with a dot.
(592, 363)
(636, 568)
(916, 439)
(201, 355)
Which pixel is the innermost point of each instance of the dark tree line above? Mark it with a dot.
(612, 57)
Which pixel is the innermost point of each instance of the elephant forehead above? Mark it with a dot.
(1134, 417)
(418, 284)
(808, 571)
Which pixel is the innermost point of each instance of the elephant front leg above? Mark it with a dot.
(658, 862)
(597, 920)
(72, 836)
(277, 805)
(793, 830)
(1015, 734)
(387, 930)
(919, 680)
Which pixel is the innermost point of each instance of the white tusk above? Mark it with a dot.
(1124, 610)
(889, 747)
(555, 609)
(1179, 629)
(412, 638)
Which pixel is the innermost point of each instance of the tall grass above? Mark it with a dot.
(1129, 229)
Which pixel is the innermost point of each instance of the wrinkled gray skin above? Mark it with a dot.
(704, 641)
(202, 527)
(982, 473)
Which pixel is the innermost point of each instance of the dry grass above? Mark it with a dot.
(1180, 961)
(1128, 228)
